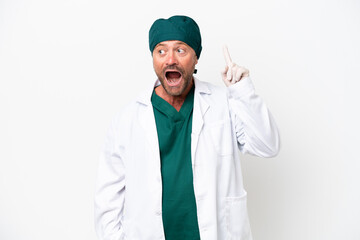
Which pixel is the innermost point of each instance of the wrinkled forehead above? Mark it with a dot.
(172, 43)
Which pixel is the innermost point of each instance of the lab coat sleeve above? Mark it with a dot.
(110, 188)
(255, 128)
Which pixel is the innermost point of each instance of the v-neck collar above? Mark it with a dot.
(166, 108)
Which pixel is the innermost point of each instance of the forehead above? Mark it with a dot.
(171, 43)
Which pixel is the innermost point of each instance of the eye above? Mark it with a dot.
(161, 51)
(180, 50)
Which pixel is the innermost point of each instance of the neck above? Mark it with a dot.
(175, 101)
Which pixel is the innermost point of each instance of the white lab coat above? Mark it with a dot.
(128, 195)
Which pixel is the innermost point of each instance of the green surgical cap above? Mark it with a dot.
(181, 28)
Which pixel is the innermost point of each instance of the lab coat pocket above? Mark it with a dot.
(237, 221)
(221, 136)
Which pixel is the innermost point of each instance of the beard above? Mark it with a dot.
(187, 78)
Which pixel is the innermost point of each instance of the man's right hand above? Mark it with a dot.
(232, 73)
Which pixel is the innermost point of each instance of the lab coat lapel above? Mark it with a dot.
(199, 110)
(147, 122)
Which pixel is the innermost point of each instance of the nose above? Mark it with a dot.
(171, 59)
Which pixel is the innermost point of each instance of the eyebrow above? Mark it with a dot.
(159, 45)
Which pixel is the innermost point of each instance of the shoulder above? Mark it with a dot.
(214, 99)
(128, 111)
(210, 91)
(141, 101)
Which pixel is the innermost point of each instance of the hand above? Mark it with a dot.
(232, 72)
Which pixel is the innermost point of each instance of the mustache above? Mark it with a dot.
(174, 68)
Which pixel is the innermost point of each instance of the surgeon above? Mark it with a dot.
(170, 167)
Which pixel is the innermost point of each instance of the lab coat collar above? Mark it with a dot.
(147, 119)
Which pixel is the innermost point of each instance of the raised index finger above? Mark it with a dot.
(227, 56)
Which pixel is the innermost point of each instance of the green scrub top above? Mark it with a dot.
(178, 198)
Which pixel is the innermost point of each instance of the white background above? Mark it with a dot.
(66, 67)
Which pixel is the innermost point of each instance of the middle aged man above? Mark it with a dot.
(170, 168)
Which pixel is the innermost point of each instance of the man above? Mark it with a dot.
(170, 168)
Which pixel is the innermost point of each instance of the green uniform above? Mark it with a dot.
(178, 198)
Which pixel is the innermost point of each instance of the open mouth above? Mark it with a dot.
(173, 77)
